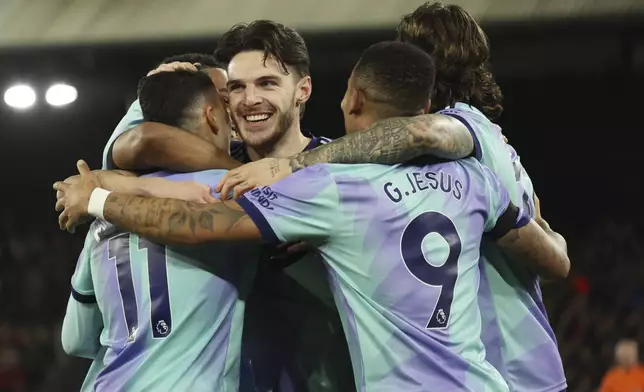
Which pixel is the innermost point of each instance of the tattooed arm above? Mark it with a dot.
(394, 140)
(180, 222)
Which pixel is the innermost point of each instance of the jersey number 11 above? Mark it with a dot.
(118, 249)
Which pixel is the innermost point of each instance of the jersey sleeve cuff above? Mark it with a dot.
(259, 219)
(83, 298)
(478, 153)
(510, 219)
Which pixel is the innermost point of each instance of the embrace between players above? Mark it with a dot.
(419, 233)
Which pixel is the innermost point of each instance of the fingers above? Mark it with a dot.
(233, 181)
(222, 183)
(71, 225)
(226, 189)
(62, 220)
(175, 66)
(61, 186)
(242, 188)
(210, 198)
(73, 179)
(82, 167)
(223, 180)
(60, 204)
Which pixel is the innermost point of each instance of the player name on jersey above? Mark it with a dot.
(423, 181)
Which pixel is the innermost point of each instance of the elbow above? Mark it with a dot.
(71, 345)
(561, 272)
(74, 347)
(140, 140)
(446, 138)
(132, 149)
(565, 270)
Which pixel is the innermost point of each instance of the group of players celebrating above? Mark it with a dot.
(414, 245)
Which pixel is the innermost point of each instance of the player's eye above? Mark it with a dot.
(267, 83)
(234, 87)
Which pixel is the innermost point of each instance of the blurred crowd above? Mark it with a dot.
(591, 311)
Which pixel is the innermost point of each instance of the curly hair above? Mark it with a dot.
(461, 53)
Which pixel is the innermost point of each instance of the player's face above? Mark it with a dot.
(220, 79)
(263, 98)
(219, 121)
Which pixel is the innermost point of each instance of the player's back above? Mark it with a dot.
(172, 315)
(518, 338)
(404, 267)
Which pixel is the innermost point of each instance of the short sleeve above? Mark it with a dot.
(503, 215)
(132, 118)
(82, 285)
(297, 208)
(473, 128)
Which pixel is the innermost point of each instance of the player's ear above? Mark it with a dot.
(304, 89)
(427, 106)
(357, 100)
(211, 119)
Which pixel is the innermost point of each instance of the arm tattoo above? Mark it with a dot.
(392, 141)
(175, 221)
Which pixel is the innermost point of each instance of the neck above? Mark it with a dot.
(291, 143)
(219, 141)
(367, 119)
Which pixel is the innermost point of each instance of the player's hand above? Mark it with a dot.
(175, 66)
(264, 172)
(75, 197)
(188, 191)
(537, 214)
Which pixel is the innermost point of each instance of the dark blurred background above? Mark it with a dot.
(573, 102)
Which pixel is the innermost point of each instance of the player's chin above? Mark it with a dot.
(258, 137)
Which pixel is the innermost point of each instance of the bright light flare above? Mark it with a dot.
(61, 94)
(20, 96)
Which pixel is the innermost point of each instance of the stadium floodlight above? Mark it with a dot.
(20, 96)
(61, 94)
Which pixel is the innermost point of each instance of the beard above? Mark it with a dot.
(267, 139)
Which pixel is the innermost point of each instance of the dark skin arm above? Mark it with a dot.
(154, 145)
(541, 250)
(394, 140)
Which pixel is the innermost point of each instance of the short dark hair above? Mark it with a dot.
(396, 74)
(170, 97)
(461, 52)
(206, 60)
(282, 43)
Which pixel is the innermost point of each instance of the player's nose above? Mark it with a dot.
(250, 96)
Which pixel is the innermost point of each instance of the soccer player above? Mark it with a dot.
(163, 318)
(517, 329)
(280, 88)
(140, 145)
(401, 243)
(518, 337)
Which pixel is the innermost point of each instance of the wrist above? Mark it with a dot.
(543, 224)
(97, 202)
(295, 163)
